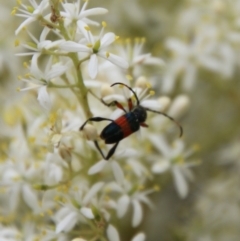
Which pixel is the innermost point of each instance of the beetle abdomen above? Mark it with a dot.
(122, 127)
(112, 133)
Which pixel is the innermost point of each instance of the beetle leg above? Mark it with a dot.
(130, 104)
(110, 153)
(120, 106)
(99, 149)
(143, 125)
(97, 119)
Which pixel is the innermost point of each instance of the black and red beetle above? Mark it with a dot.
(126, 124)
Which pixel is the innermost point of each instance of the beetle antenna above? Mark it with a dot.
(169, 117)
(134, 93)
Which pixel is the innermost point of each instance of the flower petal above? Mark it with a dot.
(44, 98)
(107, 39)
(122, 205)
(114, 59)
(117, 172)
(114, 187)
(139, 237)
(90, 84)
(93, 11)
(112, 233)
(180, 182)
(161, 144)
(151, 104)
(69, 10)
(92, 192)
(137, 213)
(23, 24)
(114, 97)
(30, 197)
(71, 46)
(160, 166)
(98, 167)
(67, 223)
(179, 106)
(55, 71)
(176, 46)
(34, 67)
(87, 212)
(154, 61)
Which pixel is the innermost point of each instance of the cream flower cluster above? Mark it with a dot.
(56, 184)
(212, 44)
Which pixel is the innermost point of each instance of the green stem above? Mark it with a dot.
(51, 85)
(47, 23)
(82, 97)
(82, 60)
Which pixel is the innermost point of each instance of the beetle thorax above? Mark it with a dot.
(140, 113)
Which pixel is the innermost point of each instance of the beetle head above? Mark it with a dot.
(140, 113)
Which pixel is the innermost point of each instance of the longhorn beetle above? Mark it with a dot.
(126, 124)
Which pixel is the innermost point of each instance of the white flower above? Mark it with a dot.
(96, 47)
(74, 12)
(116, 169)
(40, 79)
(8, 233)
(53, 169)
(40, 45)
(205, 51)
(17, 177)
(63, 126)
(125, 187)
(113, 235)
(31, 13)
(67, 217)
(174, 160)
(130, 195)
(133, 53)
(67, 222)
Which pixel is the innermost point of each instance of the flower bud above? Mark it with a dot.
(142, 82)
(179, 106)
(106, 90)
(90, 132)
(164, 102)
